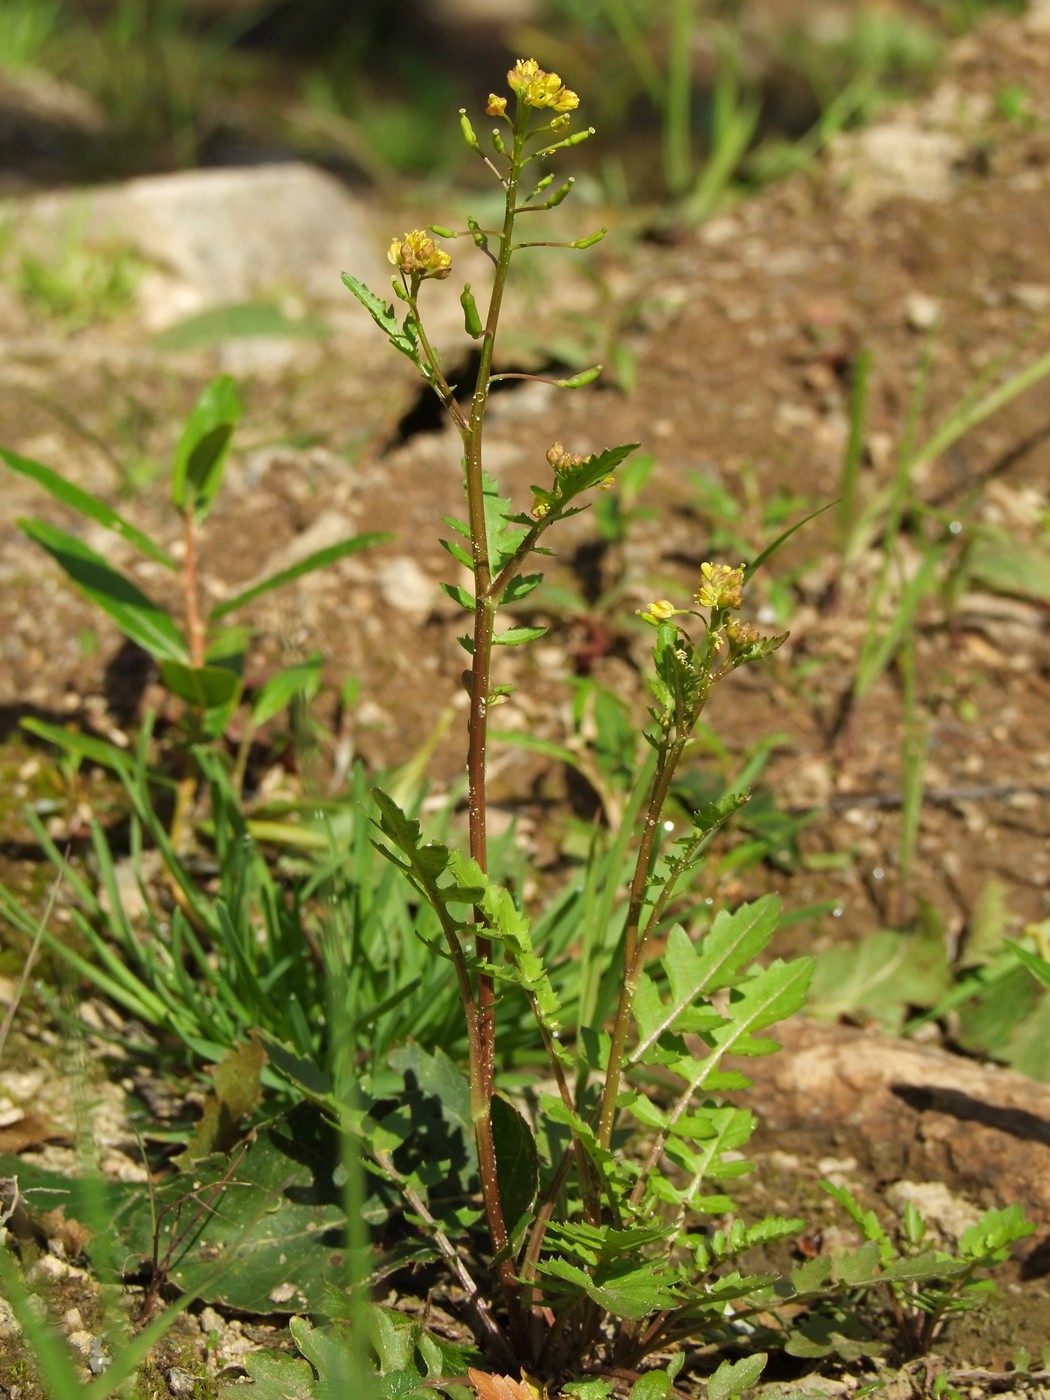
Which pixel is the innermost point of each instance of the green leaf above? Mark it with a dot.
(1038, 967)
(235, 1094)
(503, 533)
(695, 970)
(137, 616)
(881, 975)
(276, 1219)
(200, 457)
(382, 313)
(520, 586)
(654, 1385)
(517, 1161)
(239, 321)
(302, 680)
(990, 1239)
(733, 1377)
(518, 636)
(203, 687)
(328, 1353)
(460, 595)
(998, 562)
(320, 559)
(87, 506)
(273, 1378)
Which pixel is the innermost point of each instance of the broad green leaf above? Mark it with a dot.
(137, 616)
(200, 457)
(203, 687)
(654, 1385)
(277, 1221)
(998, 562)
(273, 1378)
(302, 680)
(517, 1162)
(318, 560)
(733, 1377)
(881, 975)
(239, 321)
(87, 506)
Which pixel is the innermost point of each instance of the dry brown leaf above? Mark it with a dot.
(491, 1387)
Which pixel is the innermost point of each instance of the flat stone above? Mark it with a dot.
(216, 236)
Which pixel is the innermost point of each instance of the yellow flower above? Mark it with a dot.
(720, 586)
(418, 256)
(497, 106)
(539, 89)
(661, 609)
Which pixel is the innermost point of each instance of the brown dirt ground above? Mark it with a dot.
(739, 342)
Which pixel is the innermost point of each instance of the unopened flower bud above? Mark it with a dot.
(496, 107)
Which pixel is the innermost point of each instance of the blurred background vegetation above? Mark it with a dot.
(691, 96)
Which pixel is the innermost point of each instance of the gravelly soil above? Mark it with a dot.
(738, 345)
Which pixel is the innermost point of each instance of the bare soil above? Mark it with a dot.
(738, 345)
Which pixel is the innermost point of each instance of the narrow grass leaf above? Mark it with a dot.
(87, 506)
(321, 559)
(137, 616)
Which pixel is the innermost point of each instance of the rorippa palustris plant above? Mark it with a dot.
(589, 1243)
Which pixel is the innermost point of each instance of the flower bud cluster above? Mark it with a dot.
(417, 256)
(563, 461)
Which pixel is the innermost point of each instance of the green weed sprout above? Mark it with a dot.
(589, 1250)
(200, 662)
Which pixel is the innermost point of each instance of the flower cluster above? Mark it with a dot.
(535, 88)
(720, 586)
(418, 256)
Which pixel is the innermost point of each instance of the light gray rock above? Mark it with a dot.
(216, 236)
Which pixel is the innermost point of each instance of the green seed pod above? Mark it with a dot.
(559, 194)
(480, 239)
(471, 316)
(544, 184)
(468, 131)
(497, 143)
(585, 376)
(590, 240)
(442, 231)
